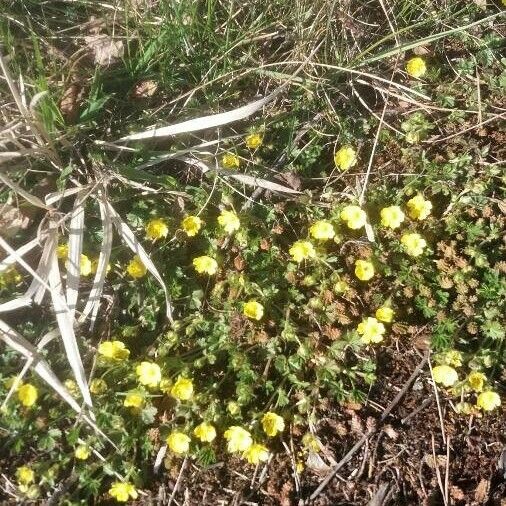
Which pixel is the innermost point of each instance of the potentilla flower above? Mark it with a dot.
(178, 442)
(371, 330)
(25, 475)
(148, 374)
(345, 158)
(133, 400)
(322, 230)
(385, 314)
(156, 229)
(272, 424)
(205, 265)
(136, 268)
(311, 442)
(205, 432)
(85, 266)
(182, 389)
(191, 225)
(301, 250)
(414, 244)
(488, 401)
(82, 452)
(419, 208)
(229, 221)
(416, 67)
(364, 270)
(98, 386)
(253, 310)
(392, 217)
(123, 491)
(113, 350)
(27, 394)
(445, 375)
(72, 387)
(256, 453)
(354, 217)
(253, 141)
(62, 251)
(453, 358)
(476, 380)
(230, 161)
(239, 439)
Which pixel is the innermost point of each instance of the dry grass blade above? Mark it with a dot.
(131, 241)
(21, 251)
(53, 197)
(66, 326)
(93, 302)
(258, 182)
(35, 201)
(205, 122)
(74, 255)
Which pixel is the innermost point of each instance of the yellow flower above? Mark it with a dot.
(256, 453)
(72, 387)
(191, 225)
(113, 350)
(85, 266)
(82, 452)
(301, 250)
(253, 310)
(364, 270)
(165, 386)
(230, 161)
(345, 158)
(488, 400)
(239, 439)
(122, 491)
(27, 394)
(98, 386)
(9, 277)
(311, 442)
(453, 358)
(445, 375)
(136, 268)
(414, 244)
(392, 217)
(133, 400)
(354, 217)
(62, 251)
(156, 229)
(416, 67)
(322, 230)
(148, 374)
(25, 475)
(371, 330)
(419, 208)
(476, 380)
(182, 389)
(205, 432)
(385, 314)
(233, 408)
(253, 141)
(229, 221)
(178, 442)
(205, 265)
(272, 424)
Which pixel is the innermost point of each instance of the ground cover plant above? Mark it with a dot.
(252, 254)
